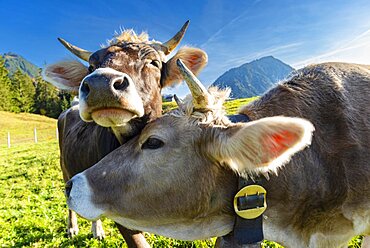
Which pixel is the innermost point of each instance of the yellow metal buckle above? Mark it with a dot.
(249, 191)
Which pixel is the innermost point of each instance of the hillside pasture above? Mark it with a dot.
(21, 128)
(231, 106)
(33, 210)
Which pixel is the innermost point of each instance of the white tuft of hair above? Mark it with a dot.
(212, 114)
(130, 36)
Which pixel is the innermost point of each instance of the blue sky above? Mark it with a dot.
(231, 32)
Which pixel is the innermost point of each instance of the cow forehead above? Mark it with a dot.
(127, 51)
(171, 128)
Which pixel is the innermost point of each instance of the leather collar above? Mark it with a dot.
(246, 231)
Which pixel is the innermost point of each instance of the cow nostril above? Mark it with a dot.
(85, 88)
(121, 83)
(68, 188)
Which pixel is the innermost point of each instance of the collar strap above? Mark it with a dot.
(239, 118)
(249, 205)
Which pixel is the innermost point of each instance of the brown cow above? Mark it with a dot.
(179, 176)
(120, 91)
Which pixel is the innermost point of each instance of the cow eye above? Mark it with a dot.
(91, 68)
(152, 143)
(156, 63)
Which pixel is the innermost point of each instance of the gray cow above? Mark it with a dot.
(179, 176)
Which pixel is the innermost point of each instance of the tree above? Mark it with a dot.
(46, 100)
(22, 93)
(65, 100)
(49, 100)
(5, 96)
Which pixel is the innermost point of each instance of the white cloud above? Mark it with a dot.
(214, 37)
(356, 50)
(274, 51)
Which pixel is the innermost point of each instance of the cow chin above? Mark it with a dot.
(112, 117)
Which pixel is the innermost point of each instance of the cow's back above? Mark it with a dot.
(327, 186)
(335, 97)
(81, 144)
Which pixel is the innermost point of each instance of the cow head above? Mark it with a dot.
(178, 177)
(123, 80)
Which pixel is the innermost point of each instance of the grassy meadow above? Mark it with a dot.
(32, 208)
(21, 128)
(232, 106)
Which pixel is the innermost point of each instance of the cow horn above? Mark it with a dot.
(201, 97)
(178, 101)
(174, 41)
(81, 53)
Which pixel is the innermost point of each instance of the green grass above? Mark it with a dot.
(232, 106)
(32, 204)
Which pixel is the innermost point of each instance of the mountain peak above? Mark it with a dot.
(14, 62)
(10, 54)
(266, 59)
(270, 57)
(255, 77)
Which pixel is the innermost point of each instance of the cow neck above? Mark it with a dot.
(246, 232)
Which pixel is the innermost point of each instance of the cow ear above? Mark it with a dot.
(66, 75)
(262, 145)
(195, 59)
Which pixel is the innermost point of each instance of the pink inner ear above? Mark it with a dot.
(192, 61)
(276, 144)
(59, 70)
(63, 73)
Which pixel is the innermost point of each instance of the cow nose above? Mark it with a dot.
(98, 85)
(120, 83)
(68, 188)
(84, 88)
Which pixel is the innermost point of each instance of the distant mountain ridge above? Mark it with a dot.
(254, 78)
(13, 62)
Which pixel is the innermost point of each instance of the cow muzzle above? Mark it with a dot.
(109, 98)
(79, 198)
